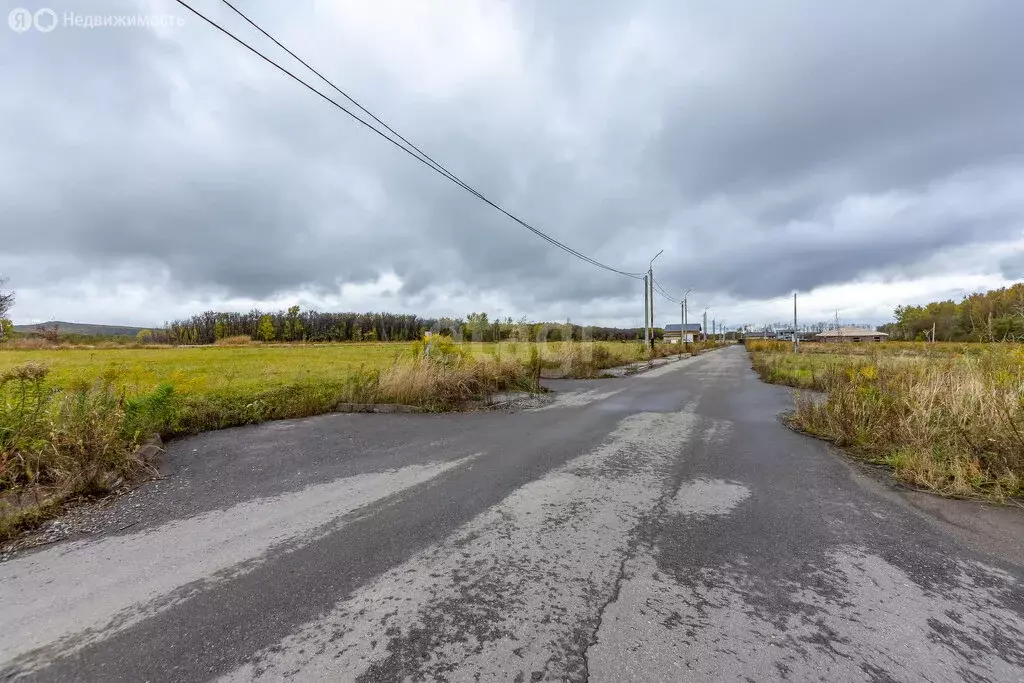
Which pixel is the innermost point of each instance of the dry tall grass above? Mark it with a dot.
(57, 444)
(236, 340)
(444, 376)
(951, 423)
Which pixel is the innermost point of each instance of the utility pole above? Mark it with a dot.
(682, 325)
(704, 329)
(652, 307)
(650, 296)
(647, 311)
(686, 312)
(796, 340)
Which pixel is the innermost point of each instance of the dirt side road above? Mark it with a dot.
(659, 527)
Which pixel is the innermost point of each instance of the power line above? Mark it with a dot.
(661, 290)
(665, 295)
(411, 150)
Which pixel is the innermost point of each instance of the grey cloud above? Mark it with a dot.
(730, 138)
(1012, 266)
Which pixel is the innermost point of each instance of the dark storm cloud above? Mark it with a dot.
(743, 138)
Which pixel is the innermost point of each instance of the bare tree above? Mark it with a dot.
(6, 298)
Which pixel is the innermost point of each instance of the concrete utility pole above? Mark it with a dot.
(650, 285)
(652, 307)
(685, 313)
(682, 326)
(796, 339)
(704, 329)
(647, 310)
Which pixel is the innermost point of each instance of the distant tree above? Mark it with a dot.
(477, 327)
(293, 328)
(144, 336)
(6, 329)
(265, 330)
(50, 334)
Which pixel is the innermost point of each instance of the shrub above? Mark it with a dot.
(81, 440)
(235, 340)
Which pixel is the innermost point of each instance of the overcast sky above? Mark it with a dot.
(864, 154)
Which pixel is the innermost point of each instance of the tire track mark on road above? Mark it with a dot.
(516, 593)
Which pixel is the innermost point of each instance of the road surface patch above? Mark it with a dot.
(707, 497)
(114, 582)
(856, 617)
(518, 591)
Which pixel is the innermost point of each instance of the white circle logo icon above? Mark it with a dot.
(45, 20)
(20, 19)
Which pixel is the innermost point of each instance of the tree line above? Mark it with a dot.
(296, 325)
(995, 315)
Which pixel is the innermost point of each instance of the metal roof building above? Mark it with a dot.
(851, 334)
(672, 332)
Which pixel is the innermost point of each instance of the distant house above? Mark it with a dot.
(851, 334)
(760, 334)
(672, 333)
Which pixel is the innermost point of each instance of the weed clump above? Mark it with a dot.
(949, 422)
(80, 441)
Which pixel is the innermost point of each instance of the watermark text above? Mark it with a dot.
(45, 20)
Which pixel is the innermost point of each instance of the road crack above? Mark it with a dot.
(620, 576)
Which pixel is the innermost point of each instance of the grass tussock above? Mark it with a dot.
(59, 444)
(448, 378)
(588, 360)
(235, 340)
(948, 422)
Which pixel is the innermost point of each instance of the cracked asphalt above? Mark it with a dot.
(659, 527)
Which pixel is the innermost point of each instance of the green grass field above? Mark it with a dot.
(218, 369)
(207, 368)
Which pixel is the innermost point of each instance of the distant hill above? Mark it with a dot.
(82, 328)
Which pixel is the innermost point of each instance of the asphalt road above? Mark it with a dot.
(653, 528)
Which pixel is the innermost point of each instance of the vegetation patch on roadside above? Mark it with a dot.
(948, 418)
(72, 420)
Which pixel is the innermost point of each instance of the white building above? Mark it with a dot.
(672, 332)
